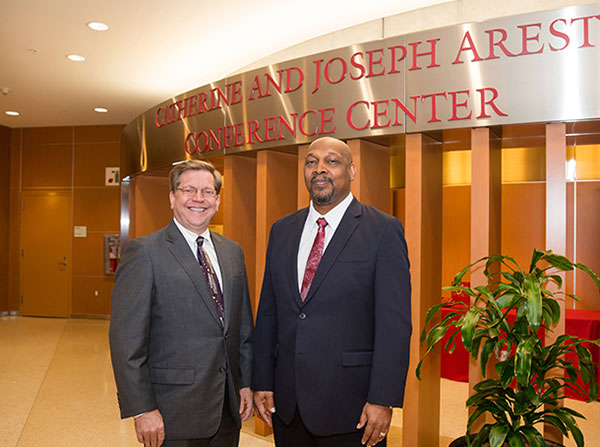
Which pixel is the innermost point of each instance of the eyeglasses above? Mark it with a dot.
(190, 191)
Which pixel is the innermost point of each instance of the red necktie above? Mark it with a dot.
(314, 258)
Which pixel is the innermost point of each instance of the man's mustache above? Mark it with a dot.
(317, 178)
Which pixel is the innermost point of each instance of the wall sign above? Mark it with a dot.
(538, 67)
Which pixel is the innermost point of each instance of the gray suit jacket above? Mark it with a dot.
(169, 349)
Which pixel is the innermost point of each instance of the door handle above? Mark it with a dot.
(64, 261)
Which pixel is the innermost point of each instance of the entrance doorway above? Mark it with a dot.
(45, 254)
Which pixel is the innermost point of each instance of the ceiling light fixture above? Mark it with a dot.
(12, 113)
(75, 57)
(101, 109)
(98, 26)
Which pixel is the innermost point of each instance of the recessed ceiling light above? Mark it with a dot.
(12, 113)
(101, 109)
(98, 26)
(75, 57)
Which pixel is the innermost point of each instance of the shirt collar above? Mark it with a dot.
(190, 236)
(333, 216)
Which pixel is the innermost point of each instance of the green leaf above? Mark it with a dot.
(523, 360)
(432, 311)
(469, 326)
(554, 309)
(498, 435)
(533, 305)
(535, 258)
(533, 437)
(436, 334)
(464, 289)
(515, 440)
(486, 350)
(587, 270)
(558, 261)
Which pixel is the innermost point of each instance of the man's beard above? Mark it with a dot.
(322, 197)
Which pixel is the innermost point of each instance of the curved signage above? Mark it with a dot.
(538, 67)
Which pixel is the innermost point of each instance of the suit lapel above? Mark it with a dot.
(181, 251)
(293, 244)
(346, 227)
(225, 259)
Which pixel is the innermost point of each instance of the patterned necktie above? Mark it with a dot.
(211, 277)
(314, 258)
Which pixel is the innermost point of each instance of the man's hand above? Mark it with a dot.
(150, 429)
(264, 405)
(377, 419)
(246, 408)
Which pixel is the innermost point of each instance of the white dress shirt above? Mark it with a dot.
(333, 218)
(207, 245)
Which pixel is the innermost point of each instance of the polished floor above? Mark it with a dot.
(57, 389)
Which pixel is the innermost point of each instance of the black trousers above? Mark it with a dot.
(297, 435)
(228, 435)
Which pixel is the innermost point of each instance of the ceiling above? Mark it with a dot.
(152, 51)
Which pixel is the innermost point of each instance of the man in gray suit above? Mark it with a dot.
(181, 324)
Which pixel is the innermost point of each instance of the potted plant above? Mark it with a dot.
(503, 322)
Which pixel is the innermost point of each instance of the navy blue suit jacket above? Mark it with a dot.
(348, 342)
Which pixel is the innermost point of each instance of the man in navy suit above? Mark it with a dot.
(333, 328)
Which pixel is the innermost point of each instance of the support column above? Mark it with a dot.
(239, 212)
(486, 205)
(303, 194)
(556, 223)
(276, 196)
(372, 183)
(421, 413)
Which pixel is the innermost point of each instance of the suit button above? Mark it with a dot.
(302, 316)
(222, 369)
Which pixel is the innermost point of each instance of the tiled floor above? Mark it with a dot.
(57, 389)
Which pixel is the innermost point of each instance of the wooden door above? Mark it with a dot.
(45, 254)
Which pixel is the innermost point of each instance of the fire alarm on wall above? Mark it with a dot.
(111, 176)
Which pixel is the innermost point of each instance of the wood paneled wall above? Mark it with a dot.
(71, 159)
(4, 215)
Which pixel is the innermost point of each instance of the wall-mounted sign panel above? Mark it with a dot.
(539, 67)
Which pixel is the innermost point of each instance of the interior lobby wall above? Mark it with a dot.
(70, 159)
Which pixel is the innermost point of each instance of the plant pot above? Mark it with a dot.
(462, 442)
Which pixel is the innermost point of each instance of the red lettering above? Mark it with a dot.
(433, 97)
(342, 74)
(236, 92)
(373, 62)
(202, 98)
(190, 137)
(377, 114)
(269, 128)
(489, 102)
(228, 133)
(212, 138)
(394, 59)
(416, 54)
(559, 34)
(239, 134)
(271, 81)
(456, 105)
(586, 29)
(288, 72)
(205, 145)
(192, 106)
(255, 88)
(290, 127)
(349, 119)
(301, 123)
(358, 65)
(499, 44)
(402, 107)
(470, 47)
(252, 131)
(159, 117)
(317, 75)
(526, 38)
(325, 120)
